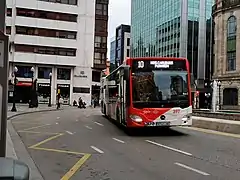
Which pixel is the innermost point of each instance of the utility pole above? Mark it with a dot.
(3, 79)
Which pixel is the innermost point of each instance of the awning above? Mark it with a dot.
(24, 84)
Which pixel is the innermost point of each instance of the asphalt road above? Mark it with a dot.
(81, 144)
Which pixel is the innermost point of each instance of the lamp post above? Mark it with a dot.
(50, 77)
(219, 93)
(14, 109)
(31, 100)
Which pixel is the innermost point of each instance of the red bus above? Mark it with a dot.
(148, 91)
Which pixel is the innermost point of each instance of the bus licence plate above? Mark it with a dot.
(158, 123)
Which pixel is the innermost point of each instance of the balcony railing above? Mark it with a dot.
(225, 4)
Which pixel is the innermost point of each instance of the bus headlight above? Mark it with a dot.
(135, 118)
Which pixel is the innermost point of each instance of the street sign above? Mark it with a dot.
(3, 91)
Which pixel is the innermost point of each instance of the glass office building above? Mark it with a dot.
(174, 28)
(112, 53)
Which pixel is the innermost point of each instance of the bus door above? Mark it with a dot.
(122, 97)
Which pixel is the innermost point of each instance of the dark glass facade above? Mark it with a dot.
(120, 42)
(112, 54)
(174, 28)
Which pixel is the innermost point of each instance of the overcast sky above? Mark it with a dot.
(119, 13)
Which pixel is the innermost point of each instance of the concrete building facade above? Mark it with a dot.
(58, 38)
(226, 15)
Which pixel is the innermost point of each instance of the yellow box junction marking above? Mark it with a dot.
(75, 168)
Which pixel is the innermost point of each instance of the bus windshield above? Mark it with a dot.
(160, 89)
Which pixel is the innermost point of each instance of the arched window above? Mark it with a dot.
(231, 43)
(230, 96)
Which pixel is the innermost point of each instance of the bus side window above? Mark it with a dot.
(113, 92)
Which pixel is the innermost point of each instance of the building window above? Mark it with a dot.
(96, 76)
(230, 96)
(8, 30)
(99, 58)
(128, 52)
(43, 72)
(9, 12)
(24, 71)
(81, 90)
(69, 2)
(46, 15)
(102, 9)
(46, 32)
(231, 43)
(45, 50)
(63, 74)
(100, 26)
(100, 42)
(128, 41)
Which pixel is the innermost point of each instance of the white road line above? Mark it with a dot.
(58, 117)
(69, 132)
(170, 148)
(56, 122)
(88, 127)
(192, 169)
(77, 120)
(98, 123)
(96, 149)
(118, 140)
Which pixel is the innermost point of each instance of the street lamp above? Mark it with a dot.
(14, 109)
(50, 77)
(219, 93)
(31, 100)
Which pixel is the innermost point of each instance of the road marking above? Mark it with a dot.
(192, 169)
(46, 140)
(76, 120)
(98, 123)
(57, 150)
(34, 132)
(69, 132)
(76, 167)
(170, 148)
(96, 149)
(58, 117)
(57, 123)
(118, 140)
(88, 127)
(36, 127)
(212, 132)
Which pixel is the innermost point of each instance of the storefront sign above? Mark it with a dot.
(63, 85)
(43, 84)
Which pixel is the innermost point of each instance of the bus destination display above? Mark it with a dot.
(142, 65)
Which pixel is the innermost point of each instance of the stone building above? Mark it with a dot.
(226, 16)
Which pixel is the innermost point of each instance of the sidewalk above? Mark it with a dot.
(222, 125)
(14, 143)
(21, 109)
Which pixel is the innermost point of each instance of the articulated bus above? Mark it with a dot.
(146, 92)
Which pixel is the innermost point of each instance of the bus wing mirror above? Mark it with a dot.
(126, 72)
(13, 169)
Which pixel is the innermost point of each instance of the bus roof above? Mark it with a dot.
(158, 58)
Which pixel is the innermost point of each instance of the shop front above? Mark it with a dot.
(44, 91)
(64, 92)
(23, 92)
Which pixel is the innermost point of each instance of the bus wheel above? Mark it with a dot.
(130, 131)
